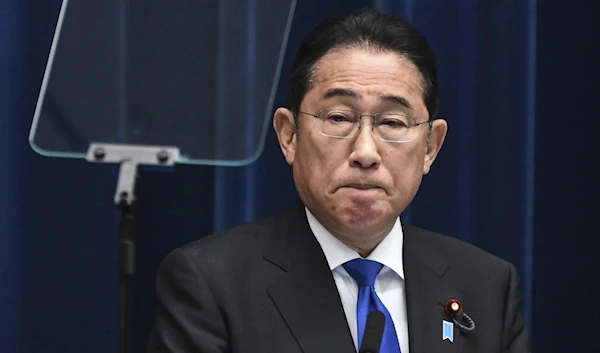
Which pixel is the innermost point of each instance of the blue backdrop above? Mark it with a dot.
(517, 175)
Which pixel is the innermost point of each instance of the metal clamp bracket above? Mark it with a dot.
(130, 157)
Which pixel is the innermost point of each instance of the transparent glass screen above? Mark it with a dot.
(197, 75)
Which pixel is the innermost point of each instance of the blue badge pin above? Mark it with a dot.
(447, 331)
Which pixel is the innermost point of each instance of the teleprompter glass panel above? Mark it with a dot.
(197, 75)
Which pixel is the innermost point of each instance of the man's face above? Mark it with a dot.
(360, 185)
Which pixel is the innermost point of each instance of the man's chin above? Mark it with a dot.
(359, 213)
(363, 207)
(364, 218)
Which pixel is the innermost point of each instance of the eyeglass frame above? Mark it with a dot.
(359, 120)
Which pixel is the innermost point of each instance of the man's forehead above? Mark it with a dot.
(367, 68)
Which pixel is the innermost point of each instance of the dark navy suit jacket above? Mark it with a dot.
(266, 287)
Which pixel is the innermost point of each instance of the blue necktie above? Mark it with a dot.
(364, 273)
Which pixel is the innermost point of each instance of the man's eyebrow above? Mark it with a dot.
(340, 92)
(397, 100)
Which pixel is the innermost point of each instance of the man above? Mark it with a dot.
(360, 133)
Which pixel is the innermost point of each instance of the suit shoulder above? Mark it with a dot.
(230, 246)
(462, 254)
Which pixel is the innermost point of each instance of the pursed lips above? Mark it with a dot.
(363, 186)
(360, 187)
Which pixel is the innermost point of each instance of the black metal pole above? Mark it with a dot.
(129, 157)
(126, 262)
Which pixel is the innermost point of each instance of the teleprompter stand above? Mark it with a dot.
(129, 157)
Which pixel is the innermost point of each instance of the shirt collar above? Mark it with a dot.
(388, 252)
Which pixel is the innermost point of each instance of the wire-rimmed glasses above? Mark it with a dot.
(390, 127)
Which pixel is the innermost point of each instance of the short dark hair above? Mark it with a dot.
(371, 29)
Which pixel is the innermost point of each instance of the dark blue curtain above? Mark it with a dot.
(517, 175)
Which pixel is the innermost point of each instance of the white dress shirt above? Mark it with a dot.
(389, 284)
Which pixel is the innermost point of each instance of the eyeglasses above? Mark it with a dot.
(391, 127)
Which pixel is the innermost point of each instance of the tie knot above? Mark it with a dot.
(363, 271)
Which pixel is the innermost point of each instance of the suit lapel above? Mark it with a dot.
(426, 296)
(306, 295)
(308, 300)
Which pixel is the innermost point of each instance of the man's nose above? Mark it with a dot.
(364, 150)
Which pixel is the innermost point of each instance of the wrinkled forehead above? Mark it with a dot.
(341, 59)
(368, 73)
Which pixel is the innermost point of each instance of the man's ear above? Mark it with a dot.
(285, 128)
(436, 138)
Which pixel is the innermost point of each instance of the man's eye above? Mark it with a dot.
(338, 118)
(393, 123)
